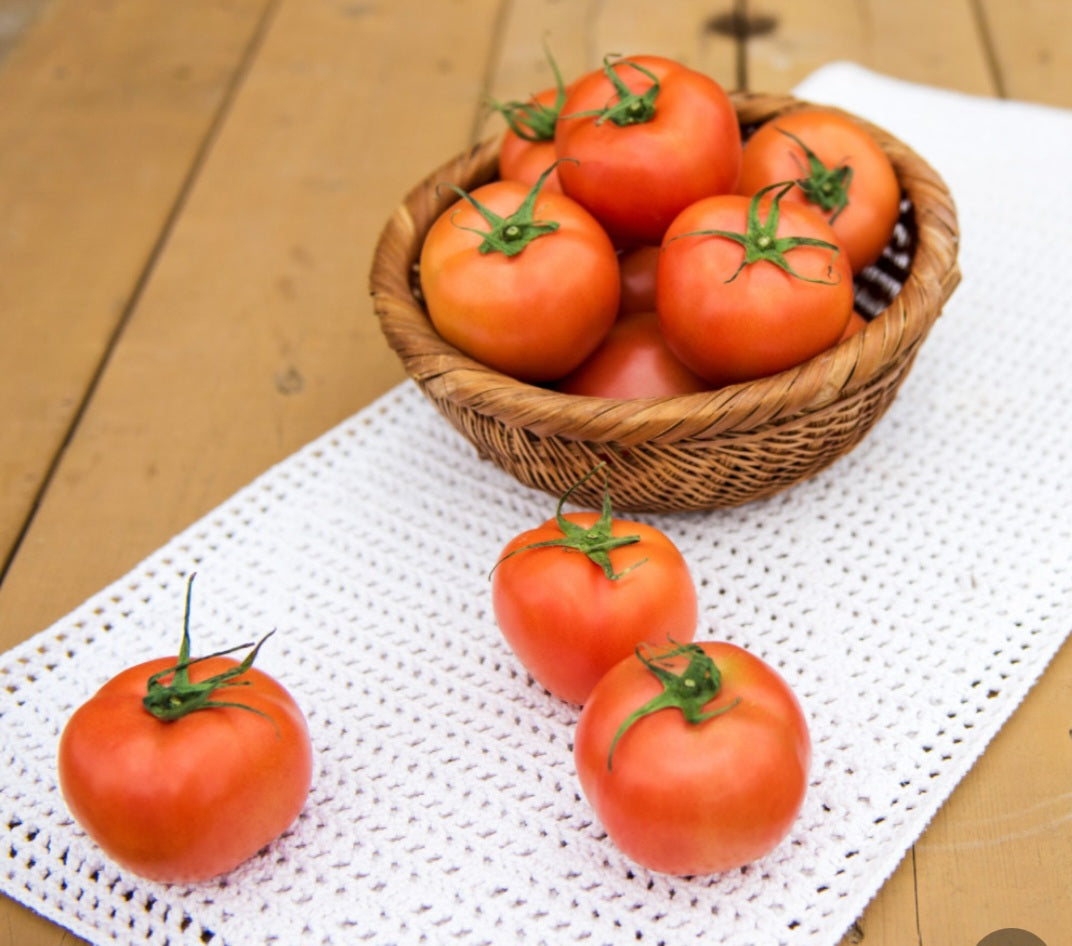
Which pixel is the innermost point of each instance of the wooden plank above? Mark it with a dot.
(1031, 45)
(15, 18)
(920, 40)
(105, 106)
(999, 854)
(255, 332)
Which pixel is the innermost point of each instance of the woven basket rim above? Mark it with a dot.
(881, 347)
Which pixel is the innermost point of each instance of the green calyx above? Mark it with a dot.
(628, 108)
(510, 235)
(689, 691)
(532, 120)
(826, 187)
(760, 241)
(596, 541)
(171, 701)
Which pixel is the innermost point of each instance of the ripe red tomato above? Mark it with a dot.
(522, 280)
(648, 137)
(576, 594)
(747, 287)
(185, 798)
(632, 361)
(695, 759)
(637, 267)
(841, 170)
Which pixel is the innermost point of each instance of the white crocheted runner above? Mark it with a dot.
(911, 594)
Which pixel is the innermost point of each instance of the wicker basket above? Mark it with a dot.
(695, 451)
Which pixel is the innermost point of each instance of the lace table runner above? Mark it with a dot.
(911, 594)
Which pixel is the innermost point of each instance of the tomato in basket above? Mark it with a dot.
(647, 136)
(575, 595)
(694, 757)
(181, 769)
(521, 279)
(747, 287)
(632, 361)
(636, 268)
(840, 170)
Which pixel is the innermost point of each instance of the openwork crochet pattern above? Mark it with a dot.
(911, 594)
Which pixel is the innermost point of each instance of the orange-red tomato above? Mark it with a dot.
(731, 317)
(567, 620)
(700, 797)
(853, 184)
(632, 361)
(534, 314)
(637, 267)
(855, 324)
(662, 136)
(186, 800)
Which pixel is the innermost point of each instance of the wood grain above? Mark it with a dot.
(106, 108)
(191, 194)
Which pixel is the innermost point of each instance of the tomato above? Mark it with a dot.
(636, 268)
(855, 324)
(648, 137)
(747, 287)
(695, 759)
(632, 361)
(841, 169)
(576, 594)
(184, 798)
(522, 280)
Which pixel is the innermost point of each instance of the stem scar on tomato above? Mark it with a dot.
(760, 240)
(689, 691)
(510, 235)
(171, 701)
(596, 541)
(826, 186)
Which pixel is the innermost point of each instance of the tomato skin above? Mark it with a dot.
(636, 268)
(763, 321)
(534, 316)
(636, 178)
(185, 801)
(865, 225)
(525, 161)
(568, 623)
(695, 799)
(633, 361)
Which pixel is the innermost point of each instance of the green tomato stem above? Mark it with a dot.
(760, 242)
(171, 701)
(596, 542)
(688, 691)
(533, 121)
(827, 187)
(629, 108)
(511, 234)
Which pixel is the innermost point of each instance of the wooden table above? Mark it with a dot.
(189, 197)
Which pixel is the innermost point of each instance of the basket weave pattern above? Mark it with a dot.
(695, 451)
